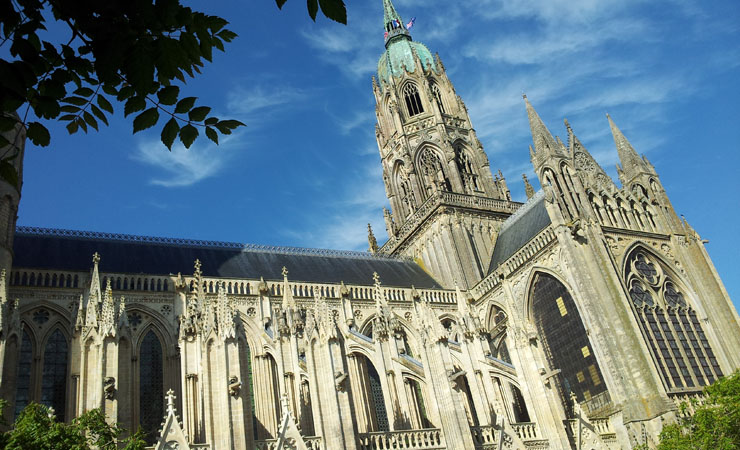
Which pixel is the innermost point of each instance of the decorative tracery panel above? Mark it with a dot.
(669, 324)
(23, 384)
(468, 174)
(413, 100)
(432, 171)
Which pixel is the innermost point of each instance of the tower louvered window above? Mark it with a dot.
(151, 393)
(669, 324)
(438, 98)
(413, 100)
(54, 380)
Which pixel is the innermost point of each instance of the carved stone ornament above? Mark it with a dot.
(234, 386)
(109, 388)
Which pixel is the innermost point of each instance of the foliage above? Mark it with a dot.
(715, 423)
(37, 428)
(132, 52)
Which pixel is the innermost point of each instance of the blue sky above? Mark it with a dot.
(306, 170)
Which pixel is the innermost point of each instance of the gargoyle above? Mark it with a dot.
(234, 386)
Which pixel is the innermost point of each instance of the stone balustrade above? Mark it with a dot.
(424, 439)
(312, 443)
(447, 199)
(485, 437)
(527, 431)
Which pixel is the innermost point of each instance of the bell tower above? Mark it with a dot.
(445, 204)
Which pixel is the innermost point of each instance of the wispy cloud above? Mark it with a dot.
(183, 167)
(258, 98)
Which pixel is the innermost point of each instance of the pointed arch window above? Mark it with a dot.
(435, 178)
(567, 345)
(437, 94)
(467, 173)
(151, 390)
(413, 100)
(670, 326)
(23, 381)
(54, 379)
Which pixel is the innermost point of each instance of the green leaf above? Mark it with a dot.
(125, 92)
(334, 9)
(8, 173)
(79, 101)
(199, 113)
(280, 3)
(313, 8)
(98, 113)
(84, 92)
(188, 133)
(104, 103)
(185, 105)
(146, 119)
(211, 121)
(211, 134)
(69, 109)
(169, 133)
(168, 95)
(135, 103)
(38, 134)
(228, 35)
(72, 127)
(90, 120)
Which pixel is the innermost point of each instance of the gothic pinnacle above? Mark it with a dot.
(631, 162)
(543, 141)
(371, 240)
(528, 189)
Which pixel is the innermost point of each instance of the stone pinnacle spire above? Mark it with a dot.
(544, 143)
(632, 163)
(392, 23)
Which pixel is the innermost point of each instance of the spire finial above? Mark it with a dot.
(544, 143)
(96, 258)
(285, 272)
(528, 189)
(371, 240)
(392, 23)
(632, 164)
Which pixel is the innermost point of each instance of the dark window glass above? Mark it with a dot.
(377, 392)
(413, 101)
(54, 381)
(23, 382)
(151, 390)
(565, 341)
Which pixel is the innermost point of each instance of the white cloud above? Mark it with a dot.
(183, 167)
(260, 97)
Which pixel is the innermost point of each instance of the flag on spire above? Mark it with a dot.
(411, 23)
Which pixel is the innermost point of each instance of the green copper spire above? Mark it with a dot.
(394, 26)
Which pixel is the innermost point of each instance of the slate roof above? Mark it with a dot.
(41, 248)
(520, 228)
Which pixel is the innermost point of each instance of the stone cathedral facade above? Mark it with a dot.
(579, 319)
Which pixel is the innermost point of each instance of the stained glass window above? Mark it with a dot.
(23, 383)
(377, 393)
(675, 337)
(151, 391)
(54, 380)
(566, 343)
(413, 101)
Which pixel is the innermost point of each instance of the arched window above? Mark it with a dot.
(23, 383)
(467, 173)
(54, 380)
(367, 395)
(246, 362)
(438, 98)
(376, 390)
(151, 390)
(518, 406)
(413, 100)
(566, 344)
(433, 172)
(669, 324)
(416, 396)
(497, 335)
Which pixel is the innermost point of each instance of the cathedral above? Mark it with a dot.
(579, 319)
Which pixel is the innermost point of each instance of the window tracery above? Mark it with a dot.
(151, 390)
(437, 94)
(467, 173)
(413, 100)
(54, 378)
(566, 345)
(670, 325)
(23, 381)
(433, 172)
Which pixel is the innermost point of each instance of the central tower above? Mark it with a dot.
(446, 206)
